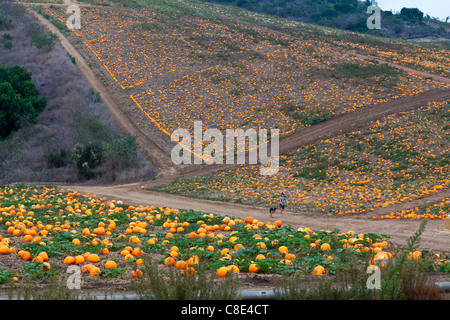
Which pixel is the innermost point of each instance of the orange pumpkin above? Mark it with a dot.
(136, 273)
(253, 268)
(110, 265)
(93, 258)
(319, 270)
(79, 260)
(69, 260)
(222, 272)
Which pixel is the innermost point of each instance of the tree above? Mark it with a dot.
(18, 99)
(411, 14)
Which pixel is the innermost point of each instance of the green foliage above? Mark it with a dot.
(318, 172)
(94, 96)
(112, 273)
(36, 271)
(307, 117)
(40, 37)
(72, 58)
(18, 99)
(8, 44)
(401, 279)
(411, 14)
(57, 159)
(5, 22)
(122, 151)
(5, 275)
(344, 14)
(53, 289)
(87, 156)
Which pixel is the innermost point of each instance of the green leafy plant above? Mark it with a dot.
(5, 275)
(87, 157)
(36, 271)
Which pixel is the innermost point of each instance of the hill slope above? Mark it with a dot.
(348, 15)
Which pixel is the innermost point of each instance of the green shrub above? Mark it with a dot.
(122, 151)
(40, 37)
(5, 22)
(87, 157)
(57, 159)
(5, 275)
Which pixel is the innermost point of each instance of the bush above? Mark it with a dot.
(57, 159)
(122, 151)
(411, 14)
(87, 157)
(40, 37)
(8, 44)
(5, 23)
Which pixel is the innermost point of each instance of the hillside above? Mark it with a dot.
(204, 66)
(43, 150)
(349, 15)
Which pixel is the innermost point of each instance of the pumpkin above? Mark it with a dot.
(319, 270)
(69, 260)
(94, 271)
(93, 258)
(79, 260)
(222, 272)
(136, 273)
(253, 268)
(110, 265)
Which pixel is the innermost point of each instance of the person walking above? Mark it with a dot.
(282, 202)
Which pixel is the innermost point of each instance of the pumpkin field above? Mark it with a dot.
(44, 230)
(173, 69)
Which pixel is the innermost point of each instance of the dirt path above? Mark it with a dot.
(434, 238)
